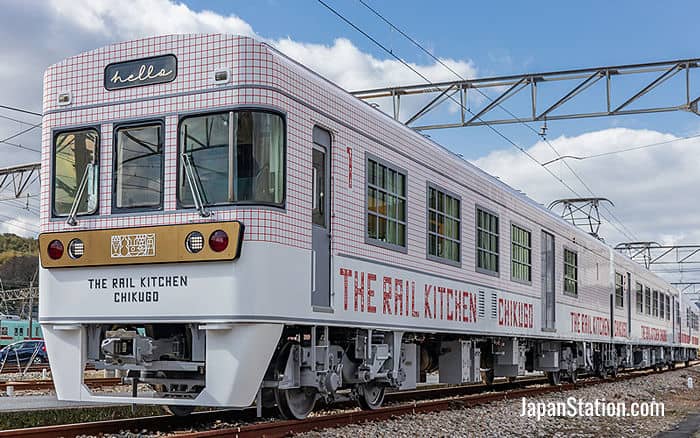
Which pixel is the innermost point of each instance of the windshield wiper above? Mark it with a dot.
(195, 189)
(78, 197)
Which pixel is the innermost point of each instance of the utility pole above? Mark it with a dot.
(31, 302)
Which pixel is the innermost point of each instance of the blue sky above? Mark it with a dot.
(500, 37)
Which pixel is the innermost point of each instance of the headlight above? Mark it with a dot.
(194, 242)
(76, 248)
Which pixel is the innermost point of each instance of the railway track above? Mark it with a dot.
(400, 403)
(12, 368)
(31, 385)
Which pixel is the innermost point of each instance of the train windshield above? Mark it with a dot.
(236, 157)
(74, 154)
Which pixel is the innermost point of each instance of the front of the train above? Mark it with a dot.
(161, 157)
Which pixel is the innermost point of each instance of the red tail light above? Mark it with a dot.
(55, 249)
(43, 348)
(218, 241)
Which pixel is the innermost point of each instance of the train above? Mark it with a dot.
(225, 226)
(14, 329)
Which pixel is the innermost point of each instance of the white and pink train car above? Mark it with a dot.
(225, 225)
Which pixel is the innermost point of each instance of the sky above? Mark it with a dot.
(654, 190)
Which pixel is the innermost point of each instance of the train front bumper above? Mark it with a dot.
(237, 356)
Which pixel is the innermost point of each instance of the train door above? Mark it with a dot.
(321, 233)
(548, 282)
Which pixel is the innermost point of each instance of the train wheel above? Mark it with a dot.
(572, 376)
(37, 360)
(296, 403)
(370, 396)
(613, 372)
(687, 363)
(179, 410)
(512, 379)
(292, 403)
(554, 377)
(487, 376)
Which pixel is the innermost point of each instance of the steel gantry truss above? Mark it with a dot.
(18, 301)
(475, 111)
(19, 177)
(581, 212)
(652, 253)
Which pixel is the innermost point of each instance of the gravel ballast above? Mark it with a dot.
(503, 418)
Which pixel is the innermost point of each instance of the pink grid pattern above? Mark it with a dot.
(256, 65)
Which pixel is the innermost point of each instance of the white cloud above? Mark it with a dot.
(20, 225)
(654, 189)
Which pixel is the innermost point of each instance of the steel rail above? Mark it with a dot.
(285, 428)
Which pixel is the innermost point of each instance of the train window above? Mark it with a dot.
(570, 272)
(21, 331)
(655, 304)
(619, 290)
(487, 245)
(640, 298)
(3, 331)
(520, 254)
(138, 167)
(667, 298)
(237, 157)
(16, 331)
(678, 313)
(444, 223)
(647, 300)
(662, 305)
(73, 152)
(386, 205)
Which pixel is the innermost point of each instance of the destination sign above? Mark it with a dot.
(139, 72)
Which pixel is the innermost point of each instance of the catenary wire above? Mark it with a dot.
(417, 44)
(490, 126)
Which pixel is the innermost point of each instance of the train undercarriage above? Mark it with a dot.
(331, 364)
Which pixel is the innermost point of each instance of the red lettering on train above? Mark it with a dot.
(371, 308)
(512, 313)
(654, 334)
(586, 324)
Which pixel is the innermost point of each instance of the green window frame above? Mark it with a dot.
(521, 254)
(386, 205)
(487, 242)
(570, 272)
(444, 226)
(640, 297)
(647, 300)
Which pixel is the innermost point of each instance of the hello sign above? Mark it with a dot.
(146, 71)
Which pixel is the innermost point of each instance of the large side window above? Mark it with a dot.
(521, 254)
(236, 157)
(668, 306)
(386, 205)
(138, 167)
(487, 242)
(640, 298)
(74, 152)
(570, 272)
(647, 300)
(619, 290)
(444, 220)
(655, 303)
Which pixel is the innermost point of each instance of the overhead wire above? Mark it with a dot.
(490, 126)
(20, 110)
(441, 62)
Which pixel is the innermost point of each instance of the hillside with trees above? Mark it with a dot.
(18, 260)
